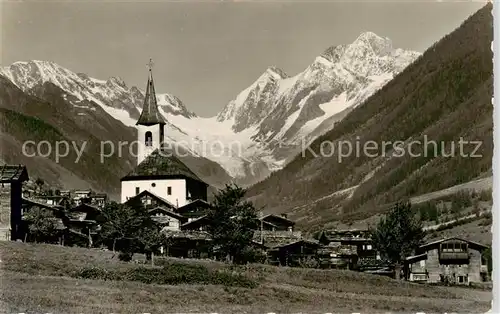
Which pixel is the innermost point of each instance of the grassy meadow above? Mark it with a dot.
(40, 278)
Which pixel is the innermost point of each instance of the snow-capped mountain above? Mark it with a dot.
(286, 108)
(264, 125)
(113, 95)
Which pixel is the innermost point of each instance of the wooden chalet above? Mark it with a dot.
(277, 223)
(98, 199)
(451, 260)
(196, 224)
(194, 209)
(84, 219)
(81, 196)
(338, 256)
(285, 248)
(361, 239)
(293, 254)
(12, 178)
(52, 199)
(149, 200)
(187, 244)
(167, 219)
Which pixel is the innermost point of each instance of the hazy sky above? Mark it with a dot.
(205, 53)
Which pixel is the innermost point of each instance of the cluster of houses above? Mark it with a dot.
(177, 199)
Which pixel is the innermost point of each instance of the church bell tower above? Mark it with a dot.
(151, 124)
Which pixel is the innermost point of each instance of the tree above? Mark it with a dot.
(150, 239)
(397, 235)
(39, 184)
(41, 224)
(231, 223)
(124, 226)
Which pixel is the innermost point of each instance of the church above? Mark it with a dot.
(158, 171)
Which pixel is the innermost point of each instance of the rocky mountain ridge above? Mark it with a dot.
(264, 126)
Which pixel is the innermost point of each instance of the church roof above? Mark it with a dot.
(161, 165)
(150, 114)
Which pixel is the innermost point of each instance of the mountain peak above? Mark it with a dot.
(276, 72)
(380, 45)
(117, 80)
(334, 53)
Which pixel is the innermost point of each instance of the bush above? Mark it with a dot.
(251, 255)
(309, 262)
(486, 195)
(125, 256)
(171, 274)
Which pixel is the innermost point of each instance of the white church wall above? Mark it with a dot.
(160, 188)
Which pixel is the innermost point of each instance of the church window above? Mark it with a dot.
(169, 190)
(149, 138)
(137, 190)
(153, 184)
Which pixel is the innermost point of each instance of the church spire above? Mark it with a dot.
(150, 114)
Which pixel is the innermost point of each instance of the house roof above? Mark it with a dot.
(11, 173)
(273, 239)
(166, 212)
(149, 193)
(82, 191)
(482, 246)
(150, 114)
(272, 216)
(186, 234)
(304, 241)
(85, 208)
(32, 202)
(194, 222)
(161, 164)
(416, 258)
(195, 203)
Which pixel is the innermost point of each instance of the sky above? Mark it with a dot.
(206, 52)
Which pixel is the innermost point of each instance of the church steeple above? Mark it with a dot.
(150, 114)
(151, 124)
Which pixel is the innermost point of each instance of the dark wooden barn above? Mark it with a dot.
(11, 194)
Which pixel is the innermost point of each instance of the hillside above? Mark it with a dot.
(55, 279)
(28, 118)
(444, 95)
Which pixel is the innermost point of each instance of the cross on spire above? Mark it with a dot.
(150, 64)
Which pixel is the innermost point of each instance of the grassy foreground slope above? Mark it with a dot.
(445, 95)
(43, 278)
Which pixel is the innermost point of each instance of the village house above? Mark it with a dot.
(360, 239)
(11, 193)
(451, 260)
(81, 196)
(194, 210)
(149, 200)
(273, 222)
(293, 254)
(167, 219)
(99, 199)
(85, 219)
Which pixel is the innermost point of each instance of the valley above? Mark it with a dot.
(255, 134)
